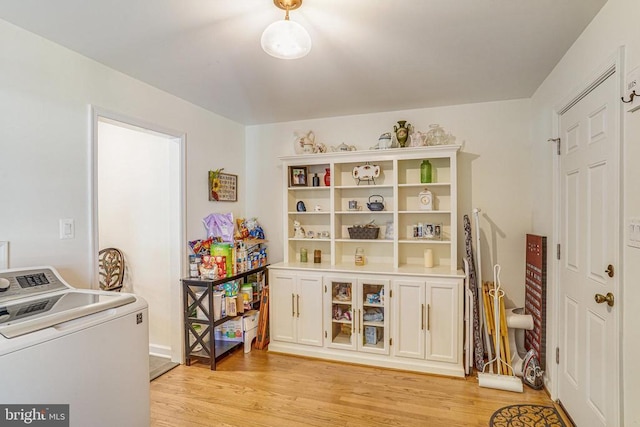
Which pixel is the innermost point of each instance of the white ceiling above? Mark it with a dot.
(367, 55)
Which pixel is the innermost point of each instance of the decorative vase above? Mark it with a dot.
(402, 132)
(327, 177)
(425, 171)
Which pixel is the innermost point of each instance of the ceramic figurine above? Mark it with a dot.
(343, 147)
(298, 231)
(305, 143)
(384, 141)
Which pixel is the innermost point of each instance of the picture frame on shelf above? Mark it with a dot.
(298, 176)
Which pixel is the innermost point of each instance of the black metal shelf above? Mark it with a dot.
(204, 302)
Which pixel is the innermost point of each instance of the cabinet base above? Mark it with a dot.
(401, 363)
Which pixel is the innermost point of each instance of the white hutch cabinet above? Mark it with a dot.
(392, 311)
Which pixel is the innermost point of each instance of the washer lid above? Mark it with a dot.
(26, 316)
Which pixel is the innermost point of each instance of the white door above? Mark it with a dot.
(409, 319)
(282, 294)
(589, 207)
(442, 320)
(309, 310)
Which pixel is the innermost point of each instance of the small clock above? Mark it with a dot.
(425, 200)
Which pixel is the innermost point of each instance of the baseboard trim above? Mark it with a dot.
(427, 367)
(160, 350)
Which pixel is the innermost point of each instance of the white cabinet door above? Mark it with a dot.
(443, 320)
(282, 293)
(409, 318)
(373, 315)
(308, 307)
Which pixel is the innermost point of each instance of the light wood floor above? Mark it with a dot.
(266, 389)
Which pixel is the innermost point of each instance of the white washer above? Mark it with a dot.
(85, 348)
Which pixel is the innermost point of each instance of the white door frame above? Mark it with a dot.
(613, 64)
(97, 113)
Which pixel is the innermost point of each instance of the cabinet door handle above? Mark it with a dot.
(422, 319)
(293, 308)
(298, 304)
(360, 319)
(428, 317)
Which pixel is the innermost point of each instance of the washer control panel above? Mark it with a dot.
(22, 283)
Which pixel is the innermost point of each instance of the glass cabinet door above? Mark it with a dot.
(341, 295)
(373, 316)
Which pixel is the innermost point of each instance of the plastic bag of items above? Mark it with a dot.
(219, 226)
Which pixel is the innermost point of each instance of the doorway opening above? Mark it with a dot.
(138, 208)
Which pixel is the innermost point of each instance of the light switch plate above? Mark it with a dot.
(67, 228)
(633, 232)
(632, 83)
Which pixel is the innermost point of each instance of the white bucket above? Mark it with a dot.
(217, 305)
(205, 303)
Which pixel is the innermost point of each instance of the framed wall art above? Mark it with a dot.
(223, 187)
(298, 176)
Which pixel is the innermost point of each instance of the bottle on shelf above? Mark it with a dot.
(327, 177)
(425, 172)
(316, 180)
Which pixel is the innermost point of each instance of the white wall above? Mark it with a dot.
(493, 170)
(614, 26)
(45, 96)
(138, 215)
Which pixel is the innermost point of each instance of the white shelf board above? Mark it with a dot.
(363, 212)
(425, 241)
(302, 187)
(381, 268)
(367, 186)
(426, 184)
(309, 213)
(425, 212)
(365, 240)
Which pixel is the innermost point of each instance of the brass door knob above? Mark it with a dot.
(601, 298)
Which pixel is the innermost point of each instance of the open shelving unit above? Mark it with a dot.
(396, 248)
(201, 343)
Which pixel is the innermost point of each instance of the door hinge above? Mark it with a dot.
(558, 251)
(558, 146)
(557, 355)
(390, 341)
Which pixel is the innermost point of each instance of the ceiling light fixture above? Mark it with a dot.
(286, 39)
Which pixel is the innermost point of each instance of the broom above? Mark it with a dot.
(490, 380)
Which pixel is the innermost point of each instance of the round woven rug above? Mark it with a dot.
(526, 416)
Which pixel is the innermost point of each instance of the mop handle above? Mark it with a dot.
(497, 294)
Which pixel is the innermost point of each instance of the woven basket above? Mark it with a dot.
(363, 232)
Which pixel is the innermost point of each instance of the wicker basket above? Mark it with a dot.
(363, 232)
